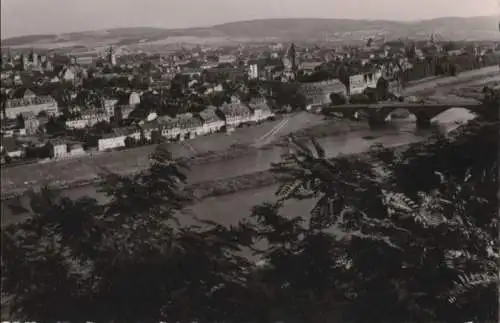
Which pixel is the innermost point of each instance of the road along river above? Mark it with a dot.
(230, 207)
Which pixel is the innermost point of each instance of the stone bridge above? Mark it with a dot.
(423, 112)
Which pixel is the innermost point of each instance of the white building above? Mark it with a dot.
(169, 127)
(87, 120)
(360, 82)
(234, 114)
(58, 149)
(30, 104)
(260, 110)
(210, 121)
(117, 138)
(253, 71)
(190, 126)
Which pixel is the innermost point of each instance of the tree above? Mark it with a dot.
(130, 142)
(383, 88)
(393, 236)
(414, 237)
(127, 260)
(20, 121)
(338, 98)
(56, 125)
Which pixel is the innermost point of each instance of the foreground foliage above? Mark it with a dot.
(392, 237)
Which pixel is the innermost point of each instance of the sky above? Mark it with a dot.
(26, 17)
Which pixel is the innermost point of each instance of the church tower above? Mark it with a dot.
(111, 56)
(292, 56)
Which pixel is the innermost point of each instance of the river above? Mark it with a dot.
(230, 208)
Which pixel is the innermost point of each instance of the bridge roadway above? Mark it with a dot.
(402, 105)
(424, 112)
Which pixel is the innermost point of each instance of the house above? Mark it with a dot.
(210, 121)
(129, 99)
(260, 110)
(189, 126)
(148, 128)
(9, 127)
(253, 71)
(75, 149)
(360, 82)
(168, 127)
(310, 67)
(234, 114)
(122, 112)
(87, 119)
(213, 88)
(227, 59)
(67, 74)
(109, 106)
(31, 123)
(58, 149)
(10, 147)
(116, 139)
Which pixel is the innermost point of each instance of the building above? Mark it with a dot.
(87, 119)
(210, 121)
(318, 93)
(31, 124)
(57, 149)
(234, 114)
(117, 138)
(290, 59)
(310, 67)
(227, 59)
(10, 148)
(111, 57)
(122, 112)
(169, 128)
(129, 98)
(148, 128)
(260, 110)
(109, 106)
(189, 125)
(360, 82)
(67, 74)
(253, 71)
(76, 149)
(29, 103)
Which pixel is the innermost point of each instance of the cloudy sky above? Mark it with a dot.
(24, 17)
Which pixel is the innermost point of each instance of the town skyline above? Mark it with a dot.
(29, 17)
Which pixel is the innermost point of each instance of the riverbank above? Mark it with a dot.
(329, 128)
(201, 192)
(255, 180)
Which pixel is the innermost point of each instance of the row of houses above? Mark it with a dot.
(188, 126)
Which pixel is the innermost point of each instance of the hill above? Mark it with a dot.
(303, 29)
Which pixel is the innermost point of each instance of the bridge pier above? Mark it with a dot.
(351, 115)
(376, 119)
(423, 120)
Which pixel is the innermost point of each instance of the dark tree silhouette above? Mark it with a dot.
(393, 236)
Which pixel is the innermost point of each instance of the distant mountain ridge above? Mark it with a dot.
(298, 29)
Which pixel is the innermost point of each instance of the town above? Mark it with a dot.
(244, 161)
(60, 105)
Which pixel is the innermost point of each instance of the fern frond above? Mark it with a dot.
(470, 282)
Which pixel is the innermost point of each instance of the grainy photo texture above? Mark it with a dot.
(263, 161)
